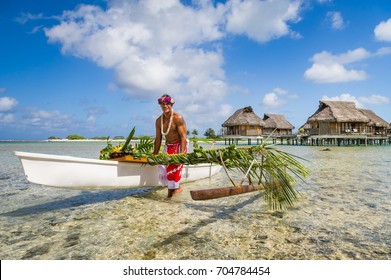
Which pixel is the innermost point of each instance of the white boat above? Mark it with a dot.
(84, 173)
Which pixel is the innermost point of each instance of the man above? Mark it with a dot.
(171, 125)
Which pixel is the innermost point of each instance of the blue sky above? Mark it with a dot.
(96, 67)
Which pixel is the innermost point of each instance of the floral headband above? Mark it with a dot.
(166, 99)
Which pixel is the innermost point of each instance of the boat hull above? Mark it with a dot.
(82, 173)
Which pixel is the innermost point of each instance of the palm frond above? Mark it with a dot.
(128, 139)
(275, 170)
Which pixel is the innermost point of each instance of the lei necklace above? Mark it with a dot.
(169, 124)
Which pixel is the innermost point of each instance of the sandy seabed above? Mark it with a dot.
(344, 213)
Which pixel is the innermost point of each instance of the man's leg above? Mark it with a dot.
(174, 172)
(177, 191)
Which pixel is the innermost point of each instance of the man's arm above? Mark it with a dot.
(158, 137)
(182, 131)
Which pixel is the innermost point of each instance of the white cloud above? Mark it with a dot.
(158, 46)
(336, 20)
(276, 98)
(375, 99)
(47, 120)
(7, 103)
(333, 73)
(262, 20)
(25, 17)
(6, 118)
(36, 29)
(225, 110)
(383, 51)
(383, 31)
(142, 33)
(152, 46)
(271, 100)
(360, 101)
(280, 91)
(344, 97)
(329, 68)
(93, 113)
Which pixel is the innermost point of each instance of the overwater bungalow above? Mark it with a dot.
(244, 122)
(305, 129)
(277, 125)
(337, 117)
(333, 123)
(342, 117)
(376, 125)
(340, 122)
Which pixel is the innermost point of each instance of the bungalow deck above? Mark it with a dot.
(314, 140)
(346, 140)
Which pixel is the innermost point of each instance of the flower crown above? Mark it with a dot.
(166, 99)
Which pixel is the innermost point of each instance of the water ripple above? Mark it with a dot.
(344, 213)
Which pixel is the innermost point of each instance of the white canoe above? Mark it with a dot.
(83, 173)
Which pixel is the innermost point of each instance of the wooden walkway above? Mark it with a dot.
(313, 140)
(346, 140)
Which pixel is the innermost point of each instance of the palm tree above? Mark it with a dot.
(194, 133)
(210, 133)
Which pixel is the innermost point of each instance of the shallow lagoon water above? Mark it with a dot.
(344, 213)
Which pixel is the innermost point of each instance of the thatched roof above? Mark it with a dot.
(374, 120)
(244, 116)
(338, 111)
(277, 121)
(305, 126)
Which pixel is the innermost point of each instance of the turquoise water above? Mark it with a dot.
(344, 213)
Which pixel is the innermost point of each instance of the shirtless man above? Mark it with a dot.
(171, 125)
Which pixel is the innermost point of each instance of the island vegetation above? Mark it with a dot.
(209, 134)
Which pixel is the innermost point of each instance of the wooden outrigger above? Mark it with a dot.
(222, 192)
(227, 191)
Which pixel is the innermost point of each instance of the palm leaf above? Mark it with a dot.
(145, 146)
(128, 139)
(275, 170)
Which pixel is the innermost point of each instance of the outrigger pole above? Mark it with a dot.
(222, 192)
(228, 191)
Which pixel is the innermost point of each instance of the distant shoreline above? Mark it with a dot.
(64, 140)
(218, 142)
(92, 140)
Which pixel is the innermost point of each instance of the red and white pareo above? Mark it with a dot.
(170, 175)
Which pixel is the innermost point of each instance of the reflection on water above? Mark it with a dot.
(344, 213)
